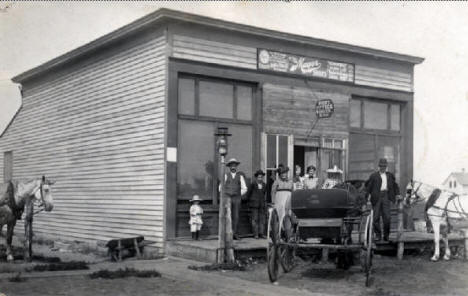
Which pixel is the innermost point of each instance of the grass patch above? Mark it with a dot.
(123, 273)
(72, 265)
(17, 278)
(219, 266)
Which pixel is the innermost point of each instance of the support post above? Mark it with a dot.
(401, 244)
(324, 256)
(221, 217)
(465, 243)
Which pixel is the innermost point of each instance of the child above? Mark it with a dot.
(196, 213)
(257, 203)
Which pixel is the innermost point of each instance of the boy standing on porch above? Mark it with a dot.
(257, 203)
(196, 213)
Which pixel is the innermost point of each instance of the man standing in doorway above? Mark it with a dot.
(234, 187)
(383, 190)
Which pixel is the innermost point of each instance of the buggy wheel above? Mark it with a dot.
(287, 250)
(366, 251)
(272, 250)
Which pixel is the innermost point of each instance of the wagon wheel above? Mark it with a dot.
(272, 250)
(366, 251)
(287, 249)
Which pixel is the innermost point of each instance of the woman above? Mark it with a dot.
(311, 181)
(297, 179)
(281, 193)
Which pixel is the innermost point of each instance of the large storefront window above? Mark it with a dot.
(374, 115)
(205, 105)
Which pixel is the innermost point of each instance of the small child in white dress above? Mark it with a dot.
(196, 213)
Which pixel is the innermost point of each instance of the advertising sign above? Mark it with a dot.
(324, 108)
(306, 66)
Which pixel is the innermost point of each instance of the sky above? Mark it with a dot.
(34, 32)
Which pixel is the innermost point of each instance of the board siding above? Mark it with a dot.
(222, 53)
(291, 111)
(371, 76)
(98, 131)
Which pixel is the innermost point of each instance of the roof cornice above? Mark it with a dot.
(168, 14)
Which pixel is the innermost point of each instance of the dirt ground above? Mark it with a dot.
(414, 275)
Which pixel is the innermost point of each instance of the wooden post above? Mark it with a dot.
(221, 220)
(119, 248)
(137, 248)
(401, 244)
(324, 256)
(465, 244)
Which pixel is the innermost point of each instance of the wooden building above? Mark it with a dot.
(125, 124)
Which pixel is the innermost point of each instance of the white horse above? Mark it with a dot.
(441, 205)
(19, 197)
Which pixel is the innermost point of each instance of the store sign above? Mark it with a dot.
(324, 108)
(313, 67)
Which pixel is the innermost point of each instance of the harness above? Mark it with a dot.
(18, 210)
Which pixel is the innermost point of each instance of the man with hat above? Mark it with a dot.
(383, 189)
(234, 187)
(257, 203)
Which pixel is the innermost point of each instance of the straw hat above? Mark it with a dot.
(195, 198)
(232, 160)
(335, 170)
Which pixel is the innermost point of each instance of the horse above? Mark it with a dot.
(441, 205)
(17, 197)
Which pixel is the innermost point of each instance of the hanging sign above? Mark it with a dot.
(324, 108)
(306, 66)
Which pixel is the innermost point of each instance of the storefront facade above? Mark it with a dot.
(130, 138)
(266, 90)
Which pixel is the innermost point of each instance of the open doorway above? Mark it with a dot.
(305, 156)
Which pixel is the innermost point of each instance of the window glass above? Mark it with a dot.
(283, 150)
(240, 147)
(395, 117)
(244, 103)
(328, 143)
(186, 96)
(195, 171)
(216, 99)
(355, 113)
(271, 151)
(375, 115)
(339, 144)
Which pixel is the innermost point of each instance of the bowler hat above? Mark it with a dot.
(232, 160)
(196, 198)
(258, 173)
(383, 162)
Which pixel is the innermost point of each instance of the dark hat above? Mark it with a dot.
(311, 167)
(259, 172)
(282, 170)
(232, 160)
(383, 162)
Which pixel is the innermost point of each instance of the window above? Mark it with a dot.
(375, 115)
(355, 113)
(454, 184)
(366, 114)
(204, 105)
(450, 184)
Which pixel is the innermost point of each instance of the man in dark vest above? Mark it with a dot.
(234, 187)
(383, 190)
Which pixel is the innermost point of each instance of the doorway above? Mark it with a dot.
(305, 156)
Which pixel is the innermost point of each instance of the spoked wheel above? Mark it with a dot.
(273, 239)
(366, 251)
(287, 249)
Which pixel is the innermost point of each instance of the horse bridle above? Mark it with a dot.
(40, 205)
(415, 192)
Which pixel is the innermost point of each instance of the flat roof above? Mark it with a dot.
(165, 14)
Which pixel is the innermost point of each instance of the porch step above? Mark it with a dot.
(205, 250)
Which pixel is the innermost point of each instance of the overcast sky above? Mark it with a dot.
(33, 33)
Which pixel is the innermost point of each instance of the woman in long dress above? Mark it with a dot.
(281, 193)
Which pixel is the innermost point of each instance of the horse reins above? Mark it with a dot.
(446, 210)
(41, 205)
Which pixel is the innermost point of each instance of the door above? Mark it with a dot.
(276, 150)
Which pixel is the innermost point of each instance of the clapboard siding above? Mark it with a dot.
(214, 52)
(291, 110)
(97, 129)
(375, 77)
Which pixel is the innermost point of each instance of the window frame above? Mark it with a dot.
(389, 103)
(219, 121)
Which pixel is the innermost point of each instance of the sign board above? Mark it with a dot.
(324, 108)
(306, 66)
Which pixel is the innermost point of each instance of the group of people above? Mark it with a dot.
(381, 186)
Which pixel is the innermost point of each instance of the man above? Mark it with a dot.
(383, 189)
(257, 204)
(234, 187)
